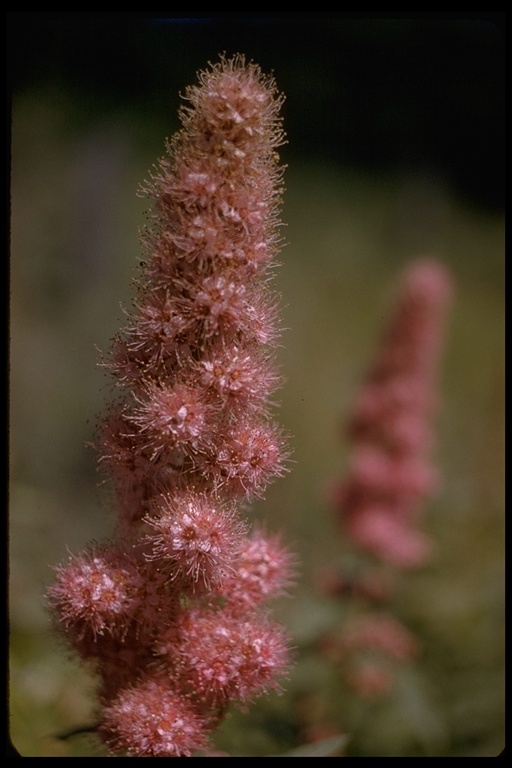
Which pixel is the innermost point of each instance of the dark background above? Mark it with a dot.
(423, 91)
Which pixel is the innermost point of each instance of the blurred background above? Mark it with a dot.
(395, 150)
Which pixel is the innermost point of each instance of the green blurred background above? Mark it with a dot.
(396, 150)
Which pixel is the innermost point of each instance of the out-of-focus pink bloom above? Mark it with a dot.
(389, 477)
(370, 679)
(379, 632)
(391, 431)
(389, 536)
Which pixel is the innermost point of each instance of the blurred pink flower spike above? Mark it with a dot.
(391, 427)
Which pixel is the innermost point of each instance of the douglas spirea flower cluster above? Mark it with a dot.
(172, 612)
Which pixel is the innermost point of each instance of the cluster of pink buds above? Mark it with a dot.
(172, 613)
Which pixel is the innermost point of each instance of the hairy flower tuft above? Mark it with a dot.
(249, 455)
(222, 655)
(263, 570)
(195, 537)
(171, 418)
(239, 377)
(150, 719)
(96, 591)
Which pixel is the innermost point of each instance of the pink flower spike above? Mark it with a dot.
(189, 438)
(390, 475)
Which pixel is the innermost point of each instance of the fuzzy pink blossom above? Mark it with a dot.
(242, 377)
(97, 591)
(195, 538)
(224, 655)
(189, 437)
(263, 570)
(149, 719)
(249, 454)
(170, 420)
